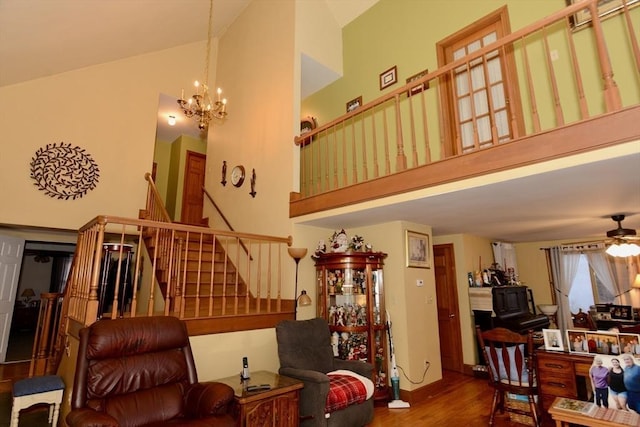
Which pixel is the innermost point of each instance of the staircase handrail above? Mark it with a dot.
(154, 199)
(500, 43)
(224, 218)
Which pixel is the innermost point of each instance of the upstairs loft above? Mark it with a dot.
(499, 101)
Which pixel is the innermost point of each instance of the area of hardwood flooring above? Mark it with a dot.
(464, 401)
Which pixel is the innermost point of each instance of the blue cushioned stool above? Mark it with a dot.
(31, 391)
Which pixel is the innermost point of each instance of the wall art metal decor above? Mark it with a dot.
(64, 171)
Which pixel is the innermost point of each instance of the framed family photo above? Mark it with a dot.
(552, 339)
(417, 249)
(419, 87)
(354, 104)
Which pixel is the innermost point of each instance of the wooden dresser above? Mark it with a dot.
(563, 374)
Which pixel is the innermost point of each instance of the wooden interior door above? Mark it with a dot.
(448, 311)
(192, 194)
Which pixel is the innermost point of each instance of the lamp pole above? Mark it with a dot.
(297, 254)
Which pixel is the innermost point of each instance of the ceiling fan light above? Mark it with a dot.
(623, 250)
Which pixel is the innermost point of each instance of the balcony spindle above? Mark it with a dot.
(611, 93)
(401, 157)
(552, 78)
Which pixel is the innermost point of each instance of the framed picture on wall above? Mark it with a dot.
(389, 77)
(417, 249)
(355, 103)
(606, 8)
(420, 87)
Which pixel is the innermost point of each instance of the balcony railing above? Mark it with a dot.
(408, 130)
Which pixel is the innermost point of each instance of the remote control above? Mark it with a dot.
(259, 387)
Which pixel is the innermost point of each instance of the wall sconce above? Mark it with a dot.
(171, 120)
(303, 300)
(636, 283)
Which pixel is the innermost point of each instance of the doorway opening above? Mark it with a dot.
(45, 268)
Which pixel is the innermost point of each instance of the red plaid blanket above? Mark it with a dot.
(344, 390)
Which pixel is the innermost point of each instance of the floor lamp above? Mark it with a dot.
(303, 300)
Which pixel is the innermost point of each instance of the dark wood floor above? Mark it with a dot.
(464, 401)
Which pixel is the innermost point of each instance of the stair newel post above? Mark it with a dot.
(91, 314)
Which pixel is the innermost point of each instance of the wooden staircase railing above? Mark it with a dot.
(203, 276)
(406, 130)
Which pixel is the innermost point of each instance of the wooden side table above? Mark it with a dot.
(276, 407)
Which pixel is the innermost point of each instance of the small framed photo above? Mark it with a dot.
(354, 104)
(599, 342)
(417, 249)
(606, 8)
(552, 339)
(577, 341)
(629, 343)
(389, 77)
(418, 88)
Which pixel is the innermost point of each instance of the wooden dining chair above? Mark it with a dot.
(509, 358)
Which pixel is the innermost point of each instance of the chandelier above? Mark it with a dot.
(200, 106)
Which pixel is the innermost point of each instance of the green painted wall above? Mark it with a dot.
(404, 33)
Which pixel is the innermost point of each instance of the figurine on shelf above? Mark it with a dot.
(320, 249)
(362, 316)
(332, 282)
(340, 241)
(357, 242)
(335, 340)
(332, 315)
(353, 316)
(340, 316)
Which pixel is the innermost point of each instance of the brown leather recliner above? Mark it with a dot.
(140, 372)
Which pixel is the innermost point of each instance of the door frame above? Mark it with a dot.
(499, 17)
(458, 357)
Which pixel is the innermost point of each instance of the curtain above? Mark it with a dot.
(564, 266)
(60, 272)
(624, 271)
(603, 269)
(505, 255)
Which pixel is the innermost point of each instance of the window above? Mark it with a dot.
(587, 289)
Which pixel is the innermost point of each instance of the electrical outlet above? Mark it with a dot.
(419, 282)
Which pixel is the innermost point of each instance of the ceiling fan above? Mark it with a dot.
(620, 232)
(621, 246)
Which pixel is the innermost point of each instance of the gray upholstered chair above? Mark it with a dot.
(304, 349)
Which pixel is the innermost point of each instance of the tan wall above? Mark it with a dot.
(110, 110)
(412, 309)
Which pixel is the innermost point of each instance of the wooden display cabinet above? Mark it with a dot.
(351, 299)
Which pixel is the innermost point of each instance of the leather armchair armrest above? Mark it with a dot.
(85, 417)
(363, 368)
(207, 398)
